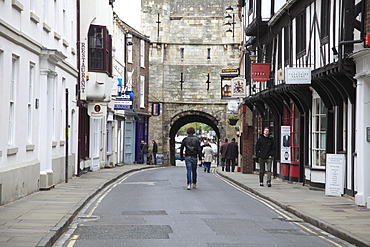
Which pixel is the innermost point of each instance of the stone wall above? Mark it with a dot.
(191, 46)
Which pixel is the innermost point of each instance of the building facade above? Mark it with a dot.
(188, 53)
(309, 94)
(131, 73)
(38, 76)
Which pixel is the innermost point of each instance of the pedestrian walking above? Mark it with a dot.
(154, 151)
(222, 153)
(192, 147)
(144, 151)
(231, 154)
(208, 155)
(265, 150)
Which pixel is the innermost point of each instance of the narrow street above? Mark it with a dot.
(153, 208)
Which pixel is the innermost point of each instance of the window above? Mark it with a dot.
(208, 53)
(294, 133)
(142, 53)
(301, 34)
(31, 82)
(12, 99)
(142, 91)
(325, 21)
(129, 81)
(129, 48)
(318, 133)
(100, 50)
(287, 36)
(182, 53)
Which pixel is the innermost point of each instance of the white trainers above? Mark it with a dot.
(189, 186)
(194, 186)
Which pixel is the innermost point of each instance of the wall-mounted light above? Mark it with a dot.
(229, 9)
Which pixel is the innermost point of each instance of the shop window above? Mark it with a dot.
(318, 136)
(294, 133)
(100, 50)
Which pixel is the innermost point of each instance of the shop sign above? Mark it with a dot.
(125, 101)
(334, 182)
(83, 70)
(260, 72)
(156, 109)
(298, 75)
(238, 87)
(97, 111)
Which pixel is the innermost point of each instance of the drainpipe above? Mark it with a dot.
(80, 133)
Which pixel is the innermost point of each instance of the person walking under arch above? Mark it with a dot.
(265, 151)
(207, 156)
(193, 151)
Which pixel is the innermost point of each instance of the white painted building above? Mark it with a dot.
(37, 66)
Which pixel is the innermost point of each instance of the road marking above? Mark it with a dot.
(274, 208)
(72, 240)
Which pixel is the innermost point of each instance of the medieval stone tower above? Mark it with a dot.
(189, 51)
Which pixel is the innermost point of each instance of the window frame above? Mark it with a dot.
(104, 47)
(301, 34)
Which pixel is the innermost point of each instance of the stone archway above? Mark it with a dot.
(188, 117)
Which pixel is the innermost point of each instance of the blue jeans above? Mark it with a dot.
(191, 169)
(155, 158)
(207, 166)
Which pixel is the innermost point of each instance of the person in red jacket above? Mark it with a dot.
(265, 150)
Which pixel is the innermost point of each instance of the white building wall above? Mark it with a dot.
(362, 182)
(25, 35)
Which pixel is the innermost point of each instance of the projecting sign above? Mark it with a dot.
(125, 101)
(297, 75)
(238, 87)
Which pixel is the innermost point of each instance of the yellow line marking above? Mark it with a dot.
(73, 240)
(276, 210)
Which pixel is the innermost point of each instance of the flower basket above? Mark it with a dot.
(233, 121)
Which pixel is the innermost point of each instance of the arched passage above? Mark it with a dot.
(186, 117)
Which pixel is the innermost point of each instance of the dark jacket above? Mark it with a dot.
(192, 147)
(265, 147)
(144, 148)
(155, 147)
(232, 151)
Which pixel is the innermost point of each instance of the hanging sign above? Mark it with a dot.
(156, 109)
(298, 75)
(238, 87)
(260, 72)
(125, 101)
(97, 111)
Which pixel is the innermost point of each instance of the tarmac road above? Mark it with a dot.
(153, 208)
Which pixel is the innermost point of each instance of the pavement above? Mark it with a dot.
(42, 217)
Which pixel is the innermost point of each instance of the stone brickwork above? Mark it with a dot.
(188, 44)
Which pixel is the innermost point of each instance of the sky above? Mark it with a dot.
(129, 12)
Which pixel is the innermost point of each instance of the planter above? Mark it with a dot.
(233, 121)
